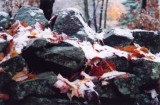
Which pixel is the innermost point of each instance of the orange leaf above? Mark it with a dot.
(4, 96)
(24, 24)
(33, 33)
(119, 47)
(144, 49)
(129, 48)
(59, 38)
(1, 56)
(14, 53)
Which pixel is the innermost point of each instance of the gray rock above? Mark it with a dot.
(49, 101)
(142, 99)
(3, 46)
(4, 20)
(42, 85)
(11, 66)
(148, 39)
(118, 37)
(63, 57)
(71, 22)
(31, 16)
(122, 64)
(128, 87)
(147, 71)
(108, 91)
(34, 45)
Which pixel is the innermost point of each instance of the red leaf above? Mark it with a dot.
(96, 70)
(4, 96)
(31, 76)
(137, 54)
(11, 43)
(108, 66)
(2, 70)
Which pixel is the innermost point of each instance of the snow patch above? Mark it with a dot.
(4, 14)
(32, 13)
(120, 32)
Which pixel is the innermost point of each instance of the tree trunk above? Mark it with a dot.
(101, 13)
(105, 15)
(144, 4)
(94, 15)
(86, 12)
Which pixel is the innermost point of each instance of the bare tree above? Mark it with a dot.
(144, 4)
(105, 14)
(94, 15)
(85, 2)
(101, 14)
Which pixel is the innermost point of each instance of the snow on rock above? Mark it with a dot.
(71, 22)
(96, 50)
(4, 14)
(120, 32)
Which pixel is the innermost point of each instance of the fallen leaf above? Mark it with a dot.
(129, 49)
(108, 66)
(14, 53)
(33, 33)
(24, 24)
(96, 70)
(137, 54)
(9, 48)
(1, 56)
(4, 96)
(21, 76)
(31, 76)
(2, 70)
(144, 49)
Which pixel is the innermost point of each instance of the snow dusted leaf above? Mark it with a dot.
(62, 84)
(13, 30)
(4, 96)
(39, 26)
(88, 76)
(77, 87)
(110, 75)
